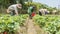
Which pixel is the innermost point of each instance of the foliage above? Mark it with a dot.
(6, 3)
(39, 6)
(11, 23)
(50, 24)
(24, 6)
(28, 4)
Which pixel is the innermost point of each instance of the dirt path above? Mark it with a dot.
(30, 27)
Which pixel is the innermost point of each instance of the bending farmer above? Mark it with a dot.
(13, 9)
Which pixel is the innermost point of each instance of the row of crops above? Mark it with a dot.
(10, 23)
(50, 24)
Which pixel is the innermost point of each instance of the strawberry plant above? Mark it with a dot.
(50, 24)
(11, 23)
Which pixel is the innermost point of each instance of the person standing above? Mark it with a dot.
(31, 11)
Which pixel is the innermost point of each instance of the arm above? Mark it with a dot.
(16, 11)
(28, 10)
(8, 11)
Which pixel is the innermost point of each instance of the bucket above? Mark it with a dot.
(33, 14)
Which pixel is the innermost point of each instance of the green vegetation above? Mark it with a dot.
(11, 23)
(40, 5)
(50, 24)
(24, 6)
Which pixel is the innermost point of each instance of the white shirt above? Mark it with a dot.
(13, 7)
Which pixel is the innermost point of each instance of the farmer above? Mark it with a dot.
(13, 9)
(43, 12)
(31, 11)
(40, 12)
(46, 11)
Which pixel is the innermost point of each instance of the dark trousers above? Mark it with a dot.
(40, 13)
(12, 12)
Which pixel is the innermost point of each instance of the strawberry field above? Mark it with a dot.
(50, 24)
(11, 23)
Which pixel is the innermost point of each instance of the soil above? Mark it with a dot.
(30, 28)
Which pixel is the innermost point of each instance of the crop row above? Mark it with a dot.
(50, 24)
(11, 23)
